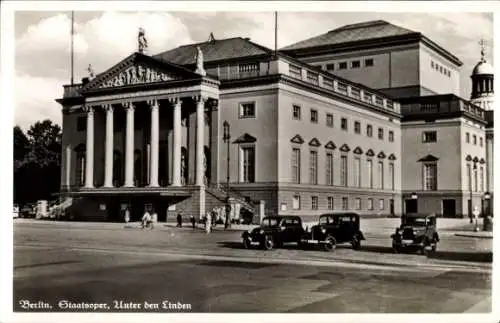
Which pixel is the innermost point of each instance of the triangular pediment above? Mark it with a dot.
(392, 157)
(381, 155)
(297, 139)
(358, 150)
(314, 142)
(245, 138)
(345, 148)
(370, 153)
(139, 69)
(330, 145)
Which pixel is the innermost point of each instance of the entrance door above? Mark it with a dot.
(449, 208)
(391, 206)
(411, 206)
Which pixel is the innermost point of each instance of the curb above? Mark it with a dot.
(472, 235)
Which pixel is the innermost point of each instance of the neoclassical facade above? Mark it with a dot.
(186, 129)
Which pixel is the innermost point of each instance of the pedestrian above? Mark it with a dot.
(208, 225)
(193, 221)
(179, 220)
(476, 213)
(146, 220)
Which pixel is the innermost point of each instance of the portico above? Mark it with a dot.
(151, 129)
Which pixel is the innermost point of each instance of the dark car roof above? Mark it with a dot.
(283, 217)
(419, 215)
(339, 214)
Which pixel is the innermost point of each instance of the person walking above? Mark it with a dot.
(179, 220)
(208, 223)
(146, 220)
(193, 221)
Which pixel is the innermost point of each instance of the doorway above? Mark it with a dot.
(449, 208)
(391, 207)
(411, 206)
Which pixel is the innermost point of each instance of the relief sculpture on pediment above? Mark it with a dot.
(136, 74)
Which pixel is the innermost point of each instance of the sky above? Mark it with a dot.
(103, 38)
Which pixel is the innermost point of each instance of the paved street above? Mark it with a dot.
(186, 270)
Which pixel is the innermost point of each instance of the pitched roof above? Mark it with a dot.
(352, 33)
(214, 50)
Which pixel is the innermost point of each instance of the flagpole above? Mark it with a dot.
(275, 33)
(72, 51)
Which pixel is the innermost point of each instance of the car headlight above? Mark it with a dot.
(323, 230)
(261, 231)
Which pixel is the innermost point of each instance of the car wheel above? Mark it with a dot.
(268, 243)
(330, 243)
(246, 243)
(356, 243)
(434, 247)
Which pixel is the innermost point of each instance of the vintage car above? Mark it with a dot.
(274, 231)
(417, 231)
(335, 228)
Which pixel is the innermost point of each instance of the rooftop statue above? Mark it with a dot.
(90, 69)
(142, 41)
(199, 62)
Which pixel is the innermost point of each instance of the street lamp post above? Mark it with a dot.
(487, 221)
(474, 167)
(227, 139)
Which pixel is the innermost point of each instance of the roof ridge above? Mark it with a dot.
(210, 42)
(362, 25)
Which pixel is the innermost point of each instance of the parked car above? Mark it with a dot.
(274, 231)
(417, 231)
(28, 211)
(335, 228)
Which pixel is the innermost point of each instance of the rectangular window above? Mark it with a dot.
(469, 177)
(480, 141)
(248, 166)
(314, 116)
(380, 175)
(329, 169)
(343, 124)
(345, 203)
(391, 175)
(330, 67)
(467, 137)
(342, 65)
(475, 180)
(380, 133)
(296, 165)
(313, 167)
(357, 172)
(357, 127)
(370, 204)
(370, 173)
(330, 202)
(355, 64)
(430, 177)
(296, 112)
(432, 64)
(429, 136)
(381, 204)
(343, 170)
(368, 62)
(481, 178)
(314, 202)
(369, 130)
(357, 202)
(296, 202)
(81, 124)
(474, 140)
(329, 120)
(247, 110)
(391, 136)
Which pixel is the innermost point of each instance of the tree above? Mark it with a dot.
(37, 171)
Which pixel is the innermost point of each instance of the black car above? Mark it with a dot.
(334, 228)
(274, 231)
(417, 231)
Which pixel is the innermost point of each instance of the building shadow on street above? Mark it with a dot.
(462, 256)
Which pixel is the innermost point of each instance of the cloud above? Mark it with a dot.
(43, 60)
(34, 99)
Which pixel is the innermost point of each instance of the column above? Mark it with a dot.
(89, 156)
(200, 124)
(215, 138)
(155, 135)
(176, 176)
(129, 145)
(108, 157)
